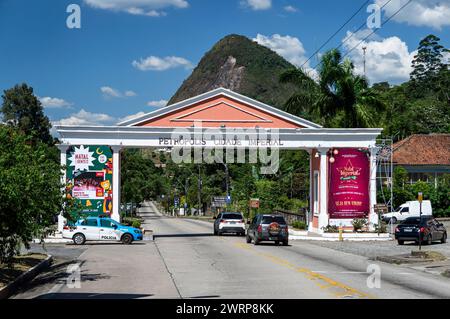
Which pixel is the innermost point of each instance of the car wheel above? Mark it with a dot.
(285, 243)
(394, 220)
(127, 239)
(248, 239)
(79, 239)
(277, 242)
(401, 242)
(219, 233)
(215, 232)
(444, 238)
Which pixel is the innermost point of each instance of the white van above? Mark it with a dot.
(409, 209)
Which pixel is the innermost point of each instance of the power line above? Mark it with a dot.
(332, 36)
(375, 30)
(359, 28)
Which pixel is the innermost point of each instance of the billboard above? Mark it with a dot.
(89, 178)
(349, 184)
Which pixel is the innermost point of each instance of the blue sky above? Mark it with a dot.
(130, 56)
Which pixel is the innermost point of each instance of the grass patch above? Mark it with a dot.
(20, 265)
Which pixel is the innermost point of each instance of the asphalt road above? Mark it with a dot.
(186, 261)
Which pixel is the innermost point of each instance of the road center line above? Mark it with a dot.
(320, 280)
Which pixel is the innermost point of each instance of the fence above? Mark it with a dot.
(290, 216)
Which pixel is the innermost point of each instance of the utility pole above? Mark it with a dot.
(364, 59)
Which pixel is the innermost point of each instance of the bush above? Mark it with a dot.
(359, 224)
(331, 229)
(132, 221)
(382, 227)
(136, 224)
(299, 225)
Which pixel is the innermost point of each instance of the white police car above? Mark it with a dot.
(99, 228)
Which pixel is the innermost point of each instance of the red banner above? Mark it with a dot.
(349, 175)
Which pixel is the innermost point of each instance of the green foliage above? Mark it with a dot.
(22, 109)
(299, 225)
(382, 228)
(30, 191)
(439, 197)
(358, 224)
(340, 98)
(140, 179)
(330, 229)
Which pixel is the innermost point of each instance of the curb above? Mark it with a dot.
(11, 288)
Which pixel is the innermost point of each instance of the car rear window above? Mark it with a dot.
(232, 216)
(271, 219)
(415, 221)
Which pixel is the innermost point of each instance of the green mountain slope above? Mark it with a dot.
(239, 64)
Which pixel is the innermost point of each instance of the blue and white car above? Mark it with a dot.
(100, 229)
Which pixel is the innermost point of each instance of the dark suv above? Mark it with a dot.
(268, 228)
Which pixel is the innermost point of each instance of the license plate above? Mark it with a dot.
(407, 230)
(273, 238)
(232, 223)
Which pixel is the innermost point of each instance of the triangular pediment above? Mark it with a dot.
(221, 112)
(219, 108)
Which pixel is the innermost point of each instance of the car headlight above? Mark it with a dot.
(136, 231)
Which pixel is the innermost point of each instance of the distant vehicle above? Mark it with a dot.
(268, 228)
(229, 223)
(428, 228)
(100, 228)
(409, 209)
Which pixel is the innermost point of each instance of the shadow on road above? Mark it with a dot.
(184, 235)
(91, 296)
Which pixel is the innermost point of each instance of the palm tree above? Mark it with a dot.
(338, 97)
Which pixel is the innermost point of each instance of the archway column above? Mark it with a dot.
(323, 189)
(63, 162)
(373, 217)
(116, 183)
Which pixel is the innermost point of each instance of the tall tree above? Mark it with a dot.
(428, 65)
(338, 98)
(30, 191)
(22, 109)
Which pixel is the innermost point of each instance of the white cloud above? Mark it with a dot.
(159, 103)
(387, 59)
(290, 48)
(130, 93)
(154, 63)
(431, 13)
(290, 9)
(54, 102)
(257, 4)
(110, 92)
(86, 118)
(151, 8)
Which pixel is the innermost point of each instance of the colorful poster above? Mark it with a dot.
(349, 175)
(89, 178)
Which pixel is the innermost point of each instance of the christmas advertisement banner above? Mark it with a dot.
(349, 184)
(89, 178)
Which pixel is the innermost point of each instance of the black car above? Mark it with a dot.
(427, 229)
(268, 228)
